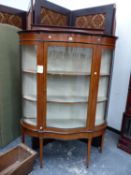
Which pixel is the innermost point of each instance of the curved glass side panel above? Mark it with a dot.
(106, 61)
(102, 98)
(29, 83)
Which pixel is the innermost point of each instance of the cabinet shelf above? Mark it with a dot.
(29, 71)
(31, 121)
(30, 98)
(104, 75)
(66, 99)
(71, 99)
(29, 117)
(70, 73)
(67, 73)
(101, 99)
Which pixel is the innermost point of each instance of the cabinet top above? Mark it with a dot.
(68, 30)
(62, 34)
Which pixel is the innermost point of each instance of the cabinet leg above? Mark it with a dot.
(41, 152)
(89, 151)
(101, 144)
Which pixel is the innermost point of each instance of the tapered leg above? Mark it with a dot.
(89, 151)
(101, 144)
(41, 152)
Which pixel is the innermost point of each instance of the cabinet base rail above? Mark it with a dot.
(49, 135)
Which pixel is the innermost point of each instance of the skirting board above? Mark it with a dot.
(113, 130)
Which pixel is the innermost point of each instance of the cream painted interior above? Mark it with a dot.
(70, 59)
(63, 115)
(68, 86)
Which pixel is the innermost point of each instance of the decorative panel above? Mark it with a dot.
(11, 19)
(49, 17)
(96, 21)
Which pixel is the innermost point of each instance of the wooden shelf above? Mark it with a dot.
(101, 99)
(29, 117)
(104, 75)
(67, 99)
(71, 99)
(30, 98)
(70, 73)
(29, 71)
(31, 121)
(67, 73)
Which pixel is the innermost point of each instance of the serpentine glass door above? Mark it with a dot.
(103, 88)
(29, 83)
(68, 80)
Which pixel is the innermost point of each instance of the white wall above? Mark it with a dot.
(19, 4)
(122, 62)
(122, 65)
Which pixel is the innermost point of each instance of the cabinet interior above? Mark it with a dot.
(68, 85)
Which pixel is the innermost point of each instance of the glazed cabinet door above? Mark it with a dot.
(32, 72)
(103, 86)
(68, 82)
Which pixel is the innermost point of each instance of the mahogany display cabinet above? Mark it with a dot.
(66, 77)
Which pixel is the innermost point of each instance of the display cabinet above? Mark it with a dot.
(65, 84)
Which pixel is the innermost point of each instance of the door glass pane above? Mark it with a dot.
(29, 60)
(106, 61)
(68, 78)
(102, 98)
(62, 115)
(29, 83)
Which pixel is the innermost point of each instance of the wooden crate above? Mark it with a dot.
(17, 161)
